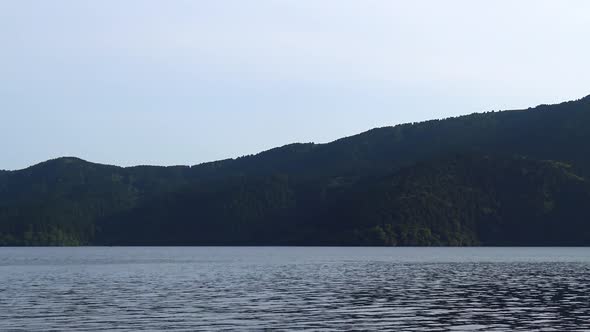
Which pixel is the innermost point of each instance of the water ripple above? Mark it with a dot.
(251, 289)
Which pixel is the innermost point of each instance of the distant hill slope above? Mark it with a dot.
(545, 132)
(476, 179)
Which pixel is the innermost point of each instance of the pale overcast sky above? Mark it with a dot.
(182, 82)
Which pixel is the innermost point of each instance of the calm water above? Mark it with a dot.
(254, 288)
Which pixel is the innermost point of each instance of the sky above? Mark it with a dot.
(132, 82)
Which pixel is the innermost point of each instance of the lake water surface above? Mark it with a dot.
(290, 288)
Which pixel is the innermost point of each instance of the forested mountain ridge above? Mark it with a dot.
(512, 177)
(545, 132)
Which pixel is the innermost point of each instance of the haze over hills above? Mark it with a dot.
(495, 178)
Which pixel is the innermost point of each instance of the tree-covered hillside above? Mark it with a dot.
(470, 200)
(497, 178)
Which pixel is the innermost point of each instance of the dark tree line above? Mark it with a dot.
(496, 178)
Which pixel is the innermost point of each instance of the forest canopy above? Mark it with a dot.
(496, 178)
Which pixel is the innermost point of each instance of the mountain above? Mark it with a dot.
(495, 178)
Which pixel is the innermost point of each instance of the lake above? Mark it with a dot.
(291, 288)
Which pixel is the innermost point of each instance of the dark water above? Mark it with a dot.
(400, 289)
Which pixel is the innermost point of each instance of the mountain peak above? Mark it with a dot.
(59, 162)
(66, 160)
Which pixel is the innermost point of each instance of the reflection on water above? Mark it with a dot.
(491, 289)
